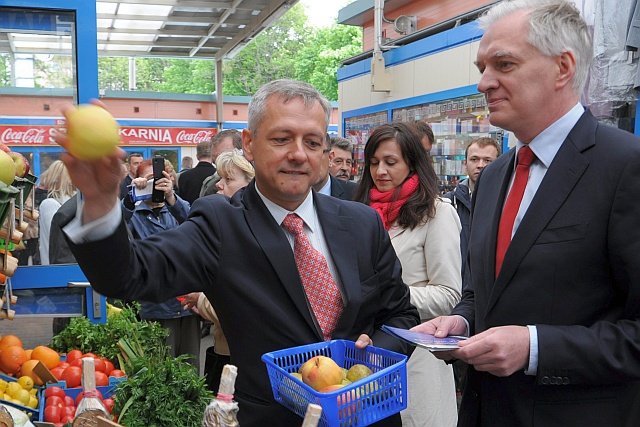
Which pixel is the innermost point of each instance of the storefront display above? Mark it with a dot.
(357, 130)
(455, 122)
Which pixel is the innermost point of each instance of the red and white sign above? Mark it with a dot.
(35, 135)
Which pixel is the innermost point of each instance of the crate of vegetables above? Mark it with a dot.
(58, 405)
(20, 393)
(354, 387)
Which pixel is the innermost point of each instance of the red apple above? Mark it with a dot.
(320, 372)
(7, 168)
(22, 164)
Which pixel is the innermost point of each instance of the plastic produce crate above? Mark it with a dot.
(106, 391)
(33, 413)
(360, 403)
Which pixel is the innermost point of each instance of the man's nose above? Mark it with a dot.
(297, 150)
(487, 81)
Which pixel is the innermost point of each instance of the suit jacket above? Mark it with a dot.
(235, 252)
(572, 269)
(342, 189)
(191, 180)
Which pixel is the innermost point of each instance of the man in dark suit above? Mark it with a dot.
(330, 185)
(191, 180)
(554, 251)
(245, 261)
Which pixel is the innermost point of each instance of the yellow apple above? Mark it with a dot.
(7, 168)
(320, 372)
(93, 132)
(357, 372)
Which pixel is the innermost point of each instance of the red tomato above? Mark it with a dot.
(63, 365)
(72, 375)
(52, 414)
(90, 355)
(69, 411)
(77, 363)
(69, 402)
(54, 401)
(117, 373)
(57, 372)
(73, 355)
(65, 419)
(101, 378)
(54, 391)
(81, 395)
(108, 403)
(108, 366)
(100, 365)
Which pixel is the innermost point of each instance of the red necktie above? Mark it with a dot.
(512, 204)
(322, 292)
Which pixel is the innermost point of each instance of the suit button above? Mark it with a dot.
(545, 380)
(565, 381)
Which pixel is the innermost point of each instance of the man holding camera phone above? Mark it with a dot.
(162, 210)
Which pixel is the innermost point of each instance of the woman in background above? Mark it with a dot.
(235, 173)
(59, 189)
(400, 184)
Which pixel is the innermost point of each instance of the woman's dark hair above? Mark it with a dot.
(421, 205)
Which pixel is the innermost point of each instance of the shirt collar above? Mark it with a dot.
(546, 145)
(326, 188)
(305, 210)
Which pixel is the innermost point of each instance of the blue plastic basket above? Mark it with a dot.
(31, 412)
(361, 403)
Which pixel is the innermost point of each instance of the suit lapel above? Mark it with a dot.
(336, 188)
(493, 188)
(562, 176)
(336, 228)
(272, 240)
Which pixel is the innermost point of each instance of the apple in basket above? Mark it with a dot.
(320, 372)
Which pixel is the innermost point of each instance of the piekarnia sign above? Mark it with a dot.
(36, 135)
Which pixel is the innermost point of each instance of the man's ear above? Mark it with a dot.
(566, 63)
(247, 144)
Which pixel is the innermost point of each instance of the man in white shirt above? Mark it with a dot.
(239, 254)
(554, 252)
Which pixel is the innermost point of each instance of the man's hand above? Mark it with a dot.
(363, 341)
(500, 351)
(98, 180)
(441, 327)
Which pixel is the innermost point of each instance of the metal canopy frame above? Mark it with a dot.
(165, 28)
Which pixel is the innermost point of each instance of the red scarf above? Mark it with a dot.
(388, 204)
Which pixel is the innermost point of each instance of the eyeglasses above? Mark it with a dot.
(340, 162)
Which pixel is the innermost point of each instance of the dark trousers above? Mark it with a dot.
(213, 364)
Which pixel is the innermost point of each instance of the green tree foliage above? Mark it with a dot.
(293, 49)
(5, 70)
(113, 73)
(322, 54)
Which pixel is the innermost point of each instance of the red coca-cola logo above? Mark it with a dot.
(185, 137)
(29, 136)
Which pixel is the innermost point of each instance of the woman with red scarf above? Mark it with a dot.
(400, 184)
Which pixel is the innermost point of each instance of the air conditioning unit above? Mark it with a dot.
(404, 24)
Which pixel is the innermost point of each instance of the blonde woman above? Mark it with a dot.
(59, 189)
(235, 172)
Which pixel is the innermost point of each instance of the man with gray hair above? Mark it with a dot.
(553, 307)
(222, 142)
(340, 158)
(190, 181)
(263, 257)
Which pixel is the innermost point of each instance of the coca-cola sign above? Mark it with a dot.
(36, 135)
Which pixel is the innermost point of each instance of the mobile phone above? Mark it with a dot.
(157, 196)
